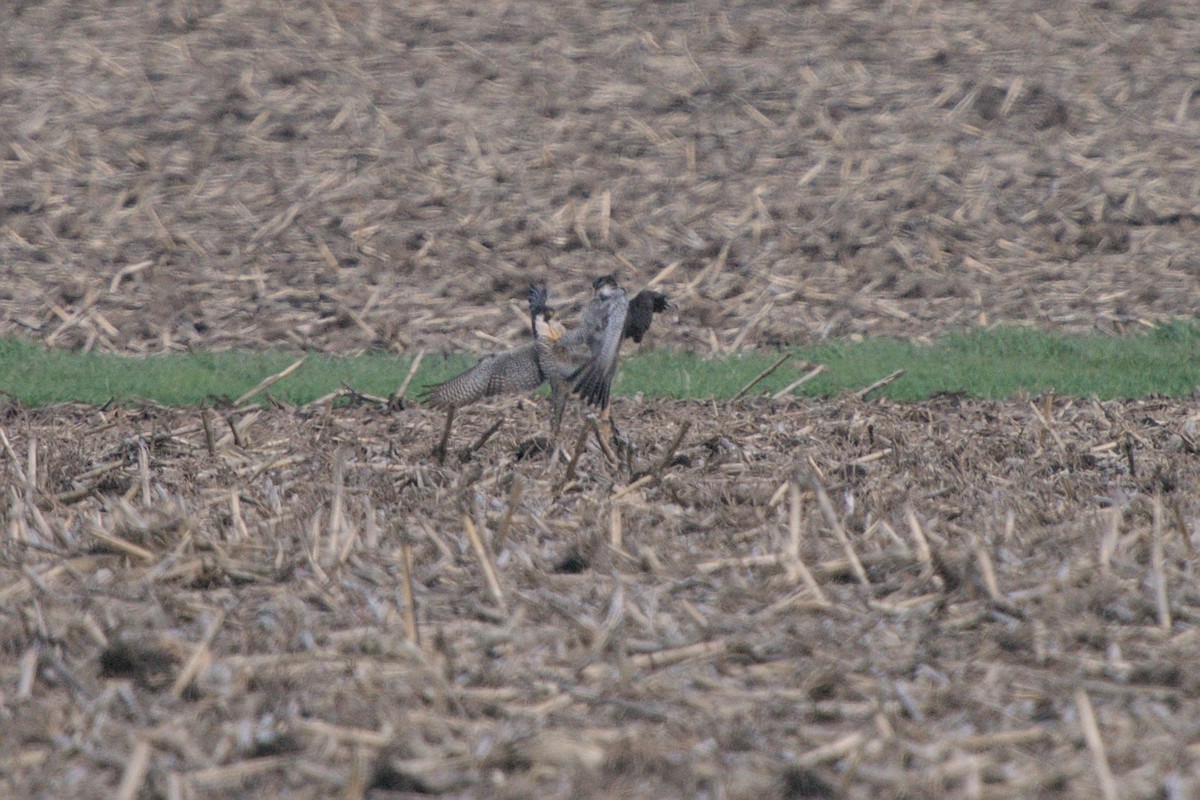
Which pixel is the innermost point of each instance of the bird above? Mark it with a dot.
(558, 355)
(520, 369)
(611, 318)
(561, 353)
(642, 308)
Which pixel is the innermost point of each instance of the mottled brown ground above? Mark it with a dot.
(338, 175)
(191, 614)
(690, 659)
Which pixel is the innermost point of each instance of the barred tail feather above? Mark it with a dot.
(452, 393)
(594, 383)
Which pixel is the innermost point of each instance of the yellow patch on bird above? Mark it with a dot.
(550, 328)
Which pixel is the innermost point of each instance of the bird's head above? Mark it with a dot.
(542, 317)
(605, 285)
(546, 324)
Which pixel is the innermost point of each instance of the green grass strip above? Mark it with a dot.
(994, 363)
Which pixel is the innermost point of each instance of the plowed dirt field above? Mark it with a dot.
(795, 599)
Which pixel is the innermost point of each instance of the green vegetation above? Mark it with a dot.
(991, 363)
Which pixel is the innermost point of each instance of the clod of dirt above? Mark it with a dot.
(147, 665)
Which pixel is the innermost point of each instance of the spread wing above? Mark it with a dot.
(594, 379)
(511, 372)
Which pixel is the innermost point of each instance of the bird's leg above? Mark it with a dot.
(615, 432)
(558, 402)
(610, 426)
(604, 437)
(440, 451)
(617, 435)
(606, 420)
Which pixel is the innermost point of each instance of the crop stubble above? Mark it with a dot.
(205, 604)
(346, 175)
(313, 606)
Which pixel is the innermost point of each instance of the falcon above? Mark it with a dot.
(580, 360)
(615, 318)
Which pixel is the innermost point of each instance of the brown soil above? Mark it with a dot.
(243, 613)
(338, 175)
(996, 599)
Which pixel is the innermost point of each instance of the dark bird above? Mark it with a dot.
(642, 308)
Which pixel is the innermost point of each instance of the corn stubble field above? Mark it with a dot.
(790, 598)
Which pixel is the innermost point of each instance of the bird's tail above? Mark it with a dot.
(592, 382)
(539, 298)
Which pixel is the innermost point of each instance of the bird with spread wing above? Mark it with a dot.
(515, 371)
(615, 319)
(580, 359)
